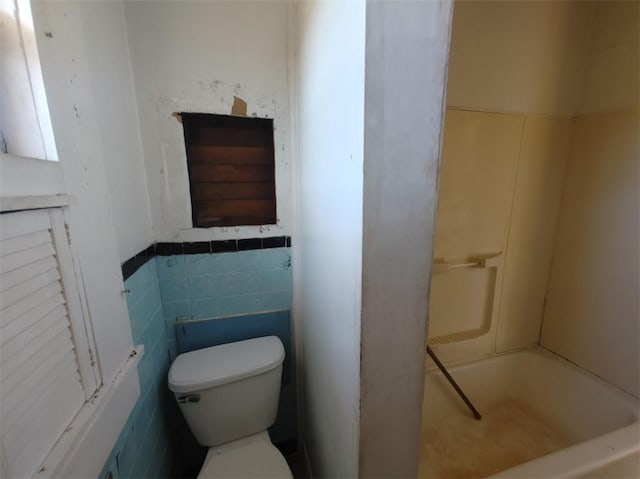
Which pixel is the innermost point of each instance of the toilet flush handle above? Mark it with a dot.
(189, 398)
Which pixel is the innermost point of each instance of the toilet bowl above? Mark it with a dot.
(229, 396)
(254, 456)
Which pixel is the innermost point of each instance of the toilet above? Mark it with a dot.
(229, 396)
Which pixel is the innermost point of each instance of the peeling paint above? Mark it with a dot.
(235, 86)
(239, 107)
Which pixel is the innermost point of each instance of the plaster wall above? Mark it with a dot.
(196, 57)
(84, 124)
(592, 315)
(407, 48)
(82, 50)
(327, 243)
(104, 61)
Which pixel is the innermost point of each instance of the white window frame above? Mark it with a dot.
(17, 112)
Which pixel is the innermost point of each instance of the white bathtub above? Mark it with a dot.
(542, 418)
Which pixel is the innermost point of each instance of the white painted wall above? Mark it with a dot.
(85, 64)
(111, 78)
(327, 243)
(593, 315)
(407, 49)
(196, 56)
(109, 82)
(79, 42)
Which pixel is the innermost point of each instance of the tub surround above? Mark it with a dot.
(506, 139)
(592, 315)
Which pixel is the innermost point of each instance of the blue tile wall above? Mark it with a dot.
(228, 288)
(202, 286)
(143, 448)
(154, 441)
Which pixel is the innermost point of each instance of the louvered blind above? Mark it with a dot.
(41, 386)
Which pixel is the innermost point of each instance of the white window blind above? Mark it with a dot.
(46, 368)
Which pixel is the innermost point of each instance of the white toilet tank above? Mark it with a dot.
(229, 391)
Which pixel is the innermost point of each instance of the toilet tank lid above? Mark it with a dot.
(218, 365)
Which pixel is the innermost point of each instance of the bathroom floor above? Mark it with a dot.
(510, 433)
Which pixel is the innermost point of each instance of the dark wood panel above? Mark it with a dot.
(235, 221)
(233, 191)
(231, 173)
(205, 136)
(230, 155)
(214, 212)
(231, 170)
(195, 120)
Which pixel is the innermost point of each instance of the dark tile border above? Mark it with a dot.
(134, 263)
(275, 242)
(224, 246)
(251, 243)
(169, 249)
(197, 248)
(221, 246)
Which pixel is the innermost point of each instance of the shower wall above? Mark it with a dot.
(592, 315)
(515, 79)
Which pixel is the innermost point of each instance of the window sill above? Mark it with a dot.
(85, 445)
(18, 203)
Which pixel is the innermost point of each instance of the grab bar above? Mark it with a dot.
(441, 266)
(478, 263)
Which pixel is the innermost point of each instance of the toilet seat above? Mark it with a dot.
(250, 457)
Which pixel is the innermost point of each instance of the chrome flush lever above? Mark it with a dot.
(189, 398)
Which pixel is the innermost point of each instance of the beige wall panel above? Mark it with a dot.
(520, 57)
(477, 178)
(545, 146)
(614, 23)
(592, 315)
(612, 79)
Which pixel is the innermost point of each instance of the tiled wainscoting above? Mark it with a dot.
(143, 448)
(185, 296)
(200, 286)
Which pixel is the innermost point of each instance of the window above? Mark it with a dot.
(25, 125)
(47, 371)
(231, 169)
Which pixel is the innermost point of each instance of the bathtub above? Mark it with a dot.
(543, 417)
